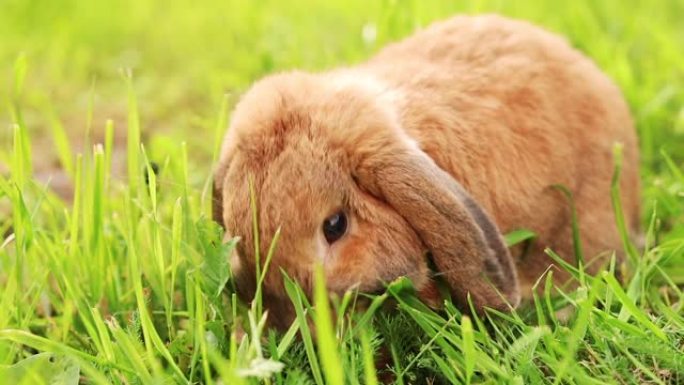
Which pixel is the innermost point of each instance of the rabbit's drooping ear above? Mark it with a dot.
(466, 246)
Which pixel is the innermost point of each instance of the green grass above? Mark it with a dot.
(131, 284)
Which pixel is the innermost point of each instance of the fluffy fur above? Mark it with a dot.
(440, 143)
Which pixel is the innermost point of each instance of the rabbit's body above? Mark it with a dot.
(499, 107)
(510, 110)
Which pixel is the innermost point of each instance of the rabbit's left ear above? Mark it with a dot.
(466, 245)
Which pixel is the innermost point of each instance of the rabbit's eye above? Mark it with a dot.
(334, 227)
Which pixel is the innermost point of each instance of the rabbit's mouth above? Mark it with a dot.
(377, 292)
(432, 292)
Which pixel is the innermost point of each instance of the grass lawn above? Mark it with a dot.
(126, 282)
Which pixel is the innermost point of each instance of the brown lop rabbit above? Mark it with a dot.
(434, 148)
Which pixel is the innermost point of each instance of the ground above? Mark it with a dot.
(119, 281)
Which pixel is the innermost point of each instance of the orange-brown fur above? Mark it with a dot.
(505, 108)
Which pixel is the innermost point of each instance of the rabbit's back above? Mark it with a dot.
(511, 110)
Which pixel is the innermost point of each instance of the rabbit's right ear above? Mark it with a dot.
(465, 244)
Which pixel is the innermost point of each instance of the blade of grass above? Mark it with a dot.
(297, 297)
(469, 352)
(325, 334)
(370, 376)
(630, 307)
(616, 200)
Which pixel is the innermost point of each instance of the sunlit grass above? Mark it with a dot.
(130, 281)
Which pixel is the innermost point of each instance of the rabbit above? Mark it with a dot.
(415, 162)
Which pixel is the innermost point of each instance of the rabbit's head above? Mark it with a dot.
(324, 159)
